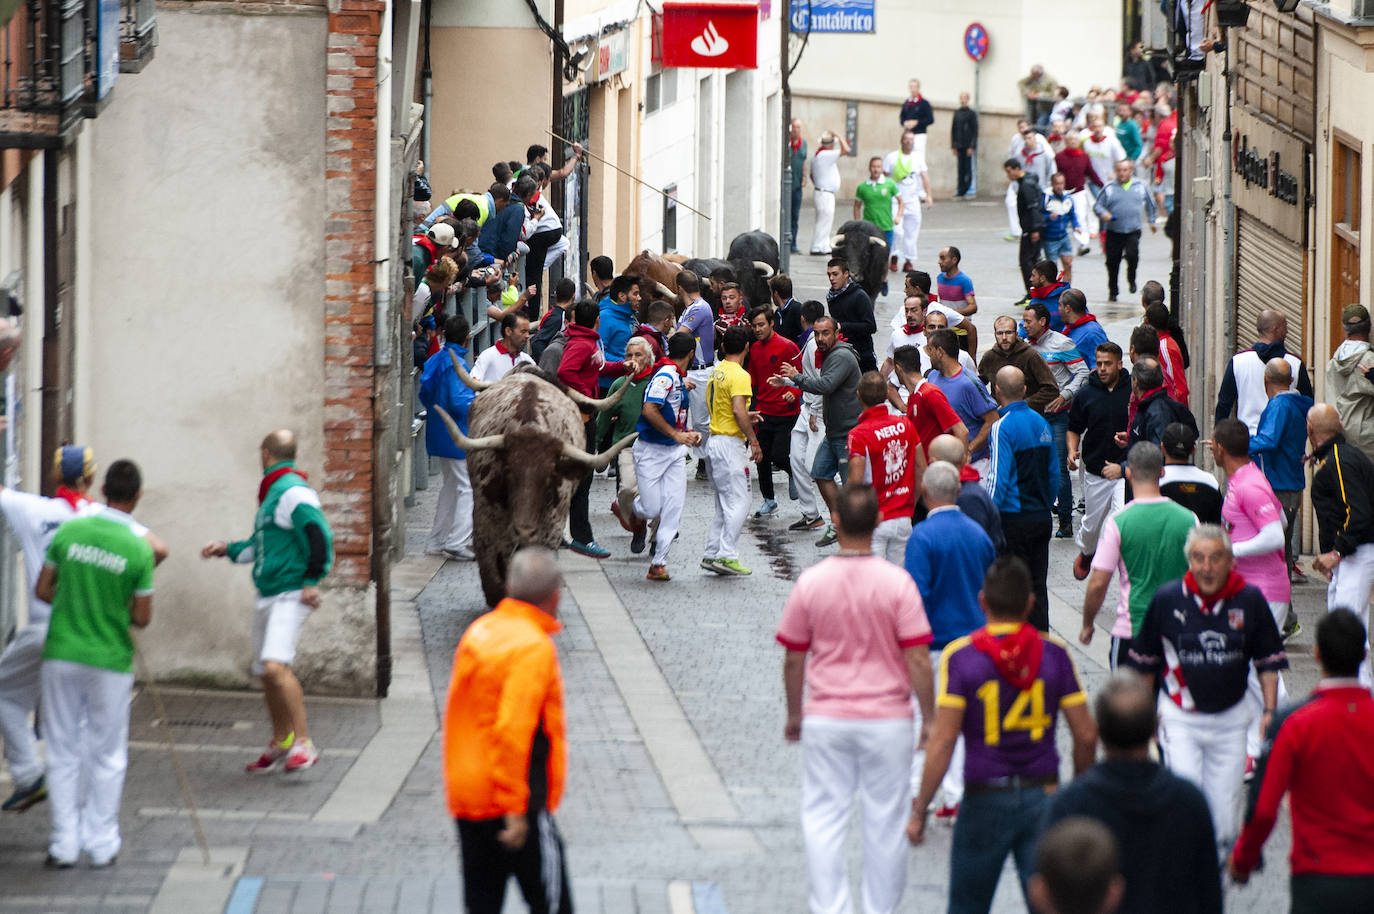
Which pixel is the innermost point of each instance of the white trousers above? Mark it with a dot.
(661, 474)
(729, 457)
(1013, 220)
(825, 221)
(842, 759)
(1087, 219)
(907, 232)
(1350, 588)
(86, 727)
(952, 785)
(1209, 750)
(805, 444)
(698, 412)
(889, 540)
(1254, 693)
(19, 689)
(453, 512)
(918, 147)
(1101, 496)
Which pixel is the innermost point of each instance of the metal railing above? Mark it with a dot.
(46, 71)
(137, 34)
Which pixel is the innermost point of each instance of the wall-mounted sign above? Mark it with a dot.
(612, 55)
(976, 42)
(717, 35)
(1269, 168)
(832, 16)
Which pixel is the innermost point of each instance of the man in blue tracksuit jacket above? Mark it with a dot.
(1280, 441)
(451, 534)
(1024, 482)
(619, 321)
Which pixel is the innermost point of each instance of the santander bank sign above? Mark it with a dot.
(720, 35)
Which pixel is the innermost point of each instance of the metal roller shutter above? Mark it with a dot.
(1268, 275)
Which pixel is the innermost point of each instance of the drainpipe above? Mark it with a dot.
(384, 410)
(1228, 226)
(426, 91)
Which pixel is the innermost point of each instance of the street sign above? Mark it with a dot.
(852, 16)
(976, 42)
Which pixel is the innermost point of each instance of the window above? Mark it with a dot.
(652, 89)
(670, 218)
(668, 88)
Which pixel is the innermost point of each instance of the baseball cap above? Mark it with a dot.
(1179, 440)
(1354, 314)
(441, 234)
(72, 462)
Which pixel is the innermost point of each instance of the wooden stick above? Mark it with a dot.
(628, 175)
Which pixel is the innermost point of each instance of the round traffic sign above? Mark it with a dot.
(976, 42)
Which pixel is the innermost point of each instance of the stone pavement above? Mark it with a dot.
(682, 795)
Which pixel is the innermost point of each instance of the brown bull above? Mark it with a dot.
(523, 463)
(657, 269)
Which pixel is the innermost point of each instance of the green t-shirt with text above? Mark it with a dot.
(101, 565)
(877, 197)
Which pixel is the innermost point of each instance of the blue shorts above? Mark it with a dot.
(1064, 247)
(832, 458)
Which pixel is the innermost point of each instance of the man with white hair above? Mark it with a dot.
(1200, 636)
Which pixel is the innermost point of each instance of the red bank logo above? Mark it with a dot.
(710, 43)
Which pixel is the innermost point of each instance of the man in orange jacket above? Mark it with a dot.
(504, 754)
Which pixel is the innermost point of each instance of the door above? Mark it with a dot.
(1345, 232)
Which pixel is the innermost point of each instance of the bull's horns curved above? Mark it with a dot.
(763, 268)
(591, 404)
(664, 290)
(837, 241)
(463, 375)
(874, 239)
(597, 461)
(491, 442)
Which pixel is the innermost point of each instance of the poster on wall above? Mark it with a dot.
(843, 16)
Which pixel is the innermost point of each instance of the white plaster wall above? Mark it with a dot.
(207, 316)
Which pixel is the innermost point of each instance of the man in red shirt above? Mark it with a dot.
(1170, 355)
(883, 453)
(927, 406)
(1319, 753)
(778, 406)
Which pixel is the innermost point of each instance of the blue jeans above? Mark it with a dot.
(1059, 426)
(990, 826)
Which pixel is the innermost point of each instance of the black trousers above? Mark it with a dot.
(1312, 893)
(965, 170)
(775, 440)
(539, 243)
(539, 867)
(1030, 255)
(1028, 538)
(796, 212)
(1122, 244)
(579, 522)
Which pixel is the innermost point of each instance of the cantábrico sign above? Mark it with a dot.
(717, 35)
(1270, 168)
(832, 16)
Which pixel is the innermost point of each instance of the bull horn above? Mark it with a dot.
(837, 241)
(491, 442)
(763, 268)
(593, 405)
(873, 239)
(463, 375)
(597, 461)
(664, 290)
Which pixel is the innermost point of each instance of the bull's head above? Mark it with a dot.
(762, 268)
(571, 453)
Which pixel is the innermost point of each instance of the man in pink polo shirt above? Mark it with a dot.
(860, 619)
(1254, 517)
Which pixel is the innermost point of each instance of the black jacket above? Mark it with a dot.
(1163, 829)
(1227, 395)
(789, 322)
(1030, 205)
(853, 311)
(1342, 485)
(918, 111)
(1096, 415)
(963, 129)
(1154, 413)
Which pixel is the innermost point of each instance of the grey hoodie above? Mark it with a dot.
(838, 386)
(1352, 393)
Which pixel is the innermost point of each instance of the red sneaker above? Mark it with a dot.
(892, 263)
(303, 755)
(947, 813)
(657, 573)
(1249, 768)
(1082, 566)
(269, 761)
(632, 524)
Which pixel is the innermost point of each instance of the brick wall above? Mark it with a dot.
(350, 179)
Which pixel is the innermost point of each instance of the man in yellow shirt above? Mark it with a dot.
(730, 449)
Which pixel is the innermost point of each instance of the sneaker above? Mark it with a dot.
(1131, 287)
(813, 522)
(731, 566)
(711, 565)
(637, 542)
(590, 550)
(828, 538)
(53, 863)
(892, 264)
(1084, 250)
(1249, 769)
(907, 266)
(1065, 531)
(269, 761)
(1111, 297)
(24, 797)
(1011, 237)
(1025, 300)
(303, 755)
(104, 864)
(1296, 575)
(1291, 627)
(657, 573)
(460, 555)
(947, 813)
(1081, 567)
(768, 508)
(701, 471)
(631, 523)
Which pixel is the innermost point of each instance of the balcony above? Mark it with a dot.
(46, 73)
(137, 34)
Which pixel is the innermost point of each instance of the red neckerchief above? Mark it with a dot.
(1234, 582)
(501, 348)
(969, 474)
(797, 144)
(272, 477)
(667, 361)
(71, 497)
(1136, 400)
(1016, 654)
(909, 332)
(1078, 323)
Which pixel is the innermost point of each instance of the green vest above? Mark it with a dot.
(479, 199)
(278, 548)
